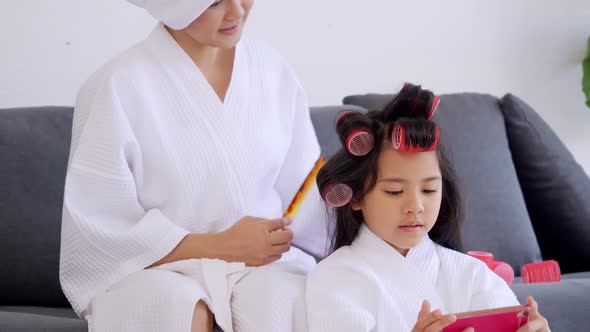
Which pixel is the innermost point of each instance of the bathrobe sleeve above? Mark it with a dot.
(104, 225)
(310, 223)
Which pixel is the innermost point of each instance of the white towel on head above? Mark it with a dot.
(177, 14)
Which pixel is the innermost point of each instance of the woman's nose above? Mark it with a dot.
(235, 11)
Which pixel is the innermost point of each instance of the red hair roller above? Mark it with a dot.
(398, 139)
(343, 115)
(359, 142)
(434, 106)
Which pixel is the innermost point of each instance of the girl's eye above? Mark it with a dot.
(393, 193)
(427, 191)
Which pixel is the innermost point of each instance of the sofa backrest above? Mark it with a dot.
(474, 135)
(556, 188)
(34, 147)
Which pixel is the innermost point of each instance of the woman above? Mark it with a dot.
(186, 150)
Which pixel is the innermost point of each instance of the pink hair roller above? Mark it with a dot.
(482, 256)
(502, 269)
(546, 271)
(337, 195)
(398, 137)
(360, 142)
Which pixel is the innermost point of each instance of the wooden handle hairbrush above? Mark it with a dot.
(304, 189)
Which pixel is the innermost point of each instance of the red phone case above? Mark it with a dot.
(507, 319)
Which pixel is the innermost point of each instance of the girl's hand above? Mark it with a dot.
(536, 323)
(433, 321)
(255, 241)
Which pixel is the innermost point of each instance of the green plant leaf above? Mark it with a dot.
(586, 75)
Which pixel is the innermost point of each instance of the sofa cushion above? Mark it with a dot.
(40, 319)
(34, 147)
(577, 275)
(565, 304)
(474, 135)
(555, 186)
(43, 311)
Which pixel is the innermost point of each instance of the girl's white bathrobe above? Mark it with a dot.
(370, 286)
(155, 155)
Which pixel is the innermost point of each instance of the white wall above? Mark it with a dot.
(532, 48)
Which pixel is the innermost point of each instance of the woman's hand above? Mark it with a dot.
(536, 323)
(256, 241)
(433, 321)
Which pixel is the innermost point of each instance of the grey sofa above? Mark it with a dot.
(504, 212)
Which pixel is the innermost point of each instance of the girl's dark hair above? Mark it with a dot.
(411, 108)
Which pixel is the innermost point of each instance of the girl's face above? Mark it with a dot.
(221, 25)
(404, 204)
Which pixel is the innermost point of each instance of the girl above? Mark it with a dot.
(186, 150)
(397, 208)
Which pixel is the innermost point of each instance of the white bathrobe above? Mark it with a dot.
(369, 286)
(155, 155)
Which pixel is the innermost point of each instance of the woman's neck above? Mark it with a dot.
(216, 64)
(205, 57)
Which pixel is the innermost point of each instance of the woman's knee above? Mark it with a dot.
(203, 320)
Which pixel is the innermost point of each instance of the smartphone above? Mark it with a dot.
(507, 319)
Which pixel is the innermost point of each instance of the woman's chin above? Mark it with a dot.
(225, 42)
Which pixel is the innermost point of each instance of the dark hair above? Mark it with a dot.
(411, 108)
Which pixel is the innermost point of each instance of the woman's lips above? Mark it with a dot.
(231, 30)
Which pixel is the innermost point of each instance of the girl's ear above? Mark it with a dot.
(355, 204)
